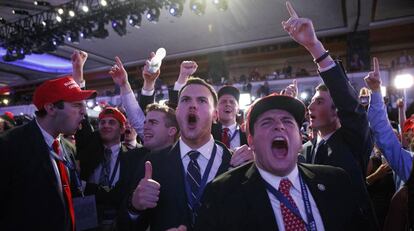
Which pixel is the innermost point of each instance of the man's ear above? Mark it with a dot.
(172, 131)
(250, 141)
(215, 115)
(50, 109)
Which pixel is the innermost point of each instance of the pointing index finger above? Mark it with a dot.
(292, 11)
(376, 65)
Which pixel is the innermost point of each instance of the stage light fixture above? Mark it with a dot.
(220, 4)
(135, 20)
(85, 8)
(41, 3)
(60, 11)
(101, 32)
(2, 20)
(71, 13)
(119, 27)
(103, 2)
(73, 37)
(21, 12)
(58, 18)
(176, 9)
(198, 6)
(153, 15)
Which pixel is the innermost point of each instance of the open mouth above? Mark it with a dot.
(148, 136)
(192, 120)
(279, 147)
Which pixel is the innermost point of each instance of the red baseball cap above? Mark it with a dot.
(65, 89)
(408, 124)
(114, 113)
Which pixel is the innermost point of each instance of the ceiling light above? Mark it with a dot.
(103, 3)
(58, 18)
(176, 9)
(198, 6)
(60, 11)
(220, 4)
(73, 37)
(153, 15)
(85, 8)
(22, 12)
(71, 13)
(119, 27)
(135, 20)
(41, 3)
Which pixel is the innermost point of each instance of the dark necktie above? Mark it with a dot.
(290, 220)
(106, 168)
(194, 179)
(65, 183)
(321, 153)
(225, 137)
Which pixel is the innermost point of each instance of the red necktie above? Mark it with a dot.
(65, 184)
(225, 138)
(291, 221)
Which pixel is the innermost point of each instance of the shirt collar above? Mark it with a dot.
(232, 128)
(320, 138)
(115, 150)
(273, 180)
(48, 138)
(205, 150)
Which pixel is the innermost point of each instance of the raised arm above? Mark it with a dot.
(398, 158)
(134, 112)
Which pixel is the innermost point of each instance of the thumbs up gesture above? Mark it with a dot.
(146, 194)
(373, 79)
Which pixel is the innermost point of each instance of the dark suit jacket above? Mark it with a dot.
(350, 146)
(217, 130)
(238, 200)
(29, 195)
(172, 209)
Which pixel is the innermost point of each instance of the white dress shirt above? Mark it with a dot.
(95, 177)
(296, 193)
(206, 151)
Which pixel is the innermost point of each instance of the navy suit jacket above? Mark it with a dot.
(29, 195)
(172, 209)
(238, 200)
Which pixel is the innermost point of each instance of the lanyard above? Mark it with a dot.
(234, 134)
(69, 165)
(311, 225)
(203, 182)
(114, 171)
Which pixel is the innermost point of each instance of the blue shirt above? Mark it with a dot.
(399, 159)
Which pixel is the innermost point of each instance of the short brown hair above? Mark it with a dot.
(199, 81)
(323, 87)
(170, 119)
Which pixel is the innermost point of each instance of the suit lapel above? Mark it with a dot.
(225, 160)
(41, 151)
(258, 200)
(175, 175)
(321, 196)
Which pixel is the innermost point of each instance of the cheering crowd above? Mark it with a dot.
(189, 165)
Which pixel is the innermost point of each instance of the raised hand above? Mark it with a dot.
(149, 78)
(118, 73)
(187, 68)
(146, 194)
(291, 89)
(241, 155)
(373, 79)
(79, 58)
(300, 29)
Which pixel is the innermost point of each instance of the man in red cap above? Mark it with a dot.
(35, 192)
(106, 166)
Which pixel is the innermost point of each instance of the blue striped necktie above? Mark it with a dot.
(193, 178)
